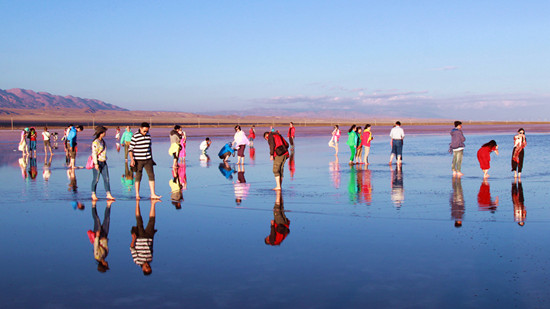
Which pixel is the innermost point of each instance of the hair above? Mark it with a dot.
(238, 127)
(457, 123)
(144, 125)
(351, 128)
(80, 127)
(357, 129)
(491, 144)
(398, 123)
(266, 134)
(292, 123)
(337, 127)
(45, 128)
(521, 129)
(177, 127)
(458, 223)
(367, 126)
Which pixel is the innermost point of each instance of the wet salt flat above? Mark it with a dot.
(375, 236)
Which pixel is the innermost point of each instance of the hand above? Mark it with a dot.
(133, 162)
(271, 158)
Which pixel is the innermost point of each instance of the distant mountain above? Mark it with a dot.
(28, 99)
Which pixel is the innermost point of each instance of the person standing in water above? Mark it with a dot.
(520, 141)
(397, 135)
(352, 143)
(335, 139)
(291, 134)
(47, 145)
(365, 143)
(240, 140)
(99, 155)
(125, 141)
(457, 148)
(252, 135)
(141, 156)
(278, 153)
(175, 144)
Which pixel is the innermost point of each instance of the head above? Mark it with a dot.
(144, 128)
(367, 126)
(238, 201)
(177, 127)
(207, 139)
(237, 128)
(100, 132)
(266, 135)
(337, 127)
(352, 128)
(146, 268)
(492, 143)
(458, 124)
(102, 266)
(118, 128)
(398, 123)
(521, 131)
(291, 124)
(358, 129)
(458, 223)
(79, 128)
(45, 128)
(128, 128)
(521, 223)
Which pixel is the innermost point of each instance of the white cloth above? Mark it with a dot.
(46, 135)
(397, 133)
(240, 138)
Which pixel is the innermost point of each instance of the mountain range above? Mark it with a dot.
(27, 99)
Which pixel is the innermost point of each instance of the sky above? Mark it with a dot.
(469, 60)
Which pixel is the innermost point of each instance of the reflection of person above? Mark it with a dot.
(334, 168)
(32, 144)
(397, 135)
(484, 156)
(366, 186)
(484, 199)
(291, 163)
(127, 178)
(517, 199)
(240, 140)
(176, 185)
(335, 138)
(518, 152)
(278, 153)
(183, 144)
(457, 202)
(98, 237)
(457, 148)
(226, 170)
(46, 173)
(33, 170)
(99, 155)
(125, 140)
(352, 184)
(141, 246)
(72, 180)
(291, 134)
(280, 225)
(397, 190)
(141, 156)
(240, 186)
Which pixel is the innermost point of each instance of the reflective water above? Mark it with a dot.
(338, 236)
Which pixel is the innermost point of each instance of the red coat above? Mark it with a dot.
(484, 157)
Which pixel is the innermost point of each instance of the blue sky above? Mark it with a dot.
(463, 59)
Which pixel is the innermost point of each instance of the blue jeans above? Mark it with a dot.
(104, 171)
(397, 147)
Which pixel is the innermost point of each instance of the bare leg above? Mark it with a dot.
(391, 159)
(152, 187)
(278, 182)
(137, 191)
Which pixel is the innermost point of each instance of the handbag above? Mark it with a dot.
(90, 163)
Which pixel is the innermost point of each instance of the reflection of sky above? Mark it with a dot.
(211, 253)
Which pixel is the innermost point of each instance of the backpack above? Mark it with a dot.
(281, 145)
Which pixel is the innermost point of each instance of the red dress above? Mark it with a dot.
(484, 157)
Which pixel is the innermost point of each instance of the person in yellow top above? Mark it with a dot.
(99, 155)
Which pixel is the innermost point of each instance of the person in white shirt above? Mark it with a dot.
(47, 145)
(397, 135)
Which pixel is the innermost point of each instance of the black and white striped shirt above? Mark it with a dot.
(143, 251)
(140, 146)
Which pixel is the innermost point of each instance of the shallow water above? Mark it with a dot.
(379, 236)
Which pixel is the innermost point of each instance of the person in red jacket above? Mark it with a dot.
(278, 152)
(291, 134)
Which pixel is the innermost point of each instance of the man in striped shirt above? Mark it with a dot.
(142, 239)
(141, 156)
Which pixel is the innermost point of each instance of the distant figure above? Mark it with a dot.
(175, 144)
(99, 236)
(117, 134)
(141, 246)
(141, 156)
(280, 225)
(291, 134)
(47, 145)
(99, 155)
(252, 135)
(518, 153)
(23, 147)
(484, 156)
(457, 148)
(397, 187)
(278, 153)
(335, 138)
(71, 138)
(55, 137)
(457, 202)
(183, 144)
(397, 135)
(365, 143)
(240, 141)
(205, 145)
(352, 143)
(32, 144)
(125, 141)
(359, 148)
(517, 199)
(226, 152)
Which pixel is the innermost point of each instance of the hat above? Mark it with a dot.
(99, 130)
